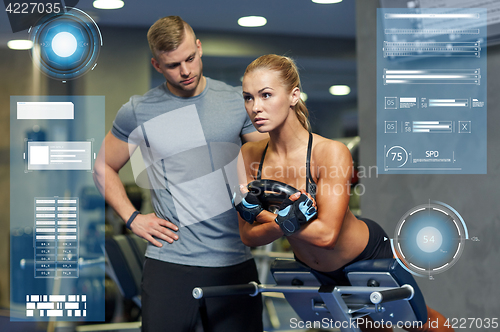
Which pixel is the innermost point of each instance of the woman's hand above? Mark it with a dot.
(295, 211)
(247, 204)
(296, 196)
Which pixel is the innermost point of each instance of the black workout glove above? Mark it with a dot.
(292, 215)
(249, 206)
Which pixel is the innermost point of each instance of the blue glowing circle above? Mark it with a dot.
(429, 239)
(64, 44)
(67, 45)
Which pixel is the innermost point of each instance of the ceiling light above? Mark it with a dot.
(303, 96)
(326, 2)
(339, 90)
(252, 21)
(108, 4)
(20, 44)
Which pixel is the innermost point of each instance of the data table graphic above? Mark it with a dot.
(431, 91)
(56, 237)
(57, 216)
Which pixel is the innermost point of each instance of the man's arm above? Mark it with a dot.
(112, 156)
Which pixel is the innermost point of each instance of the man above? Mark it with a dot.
(185, 129)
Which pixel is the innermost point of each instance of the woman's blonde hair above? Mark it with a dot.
(288, 75)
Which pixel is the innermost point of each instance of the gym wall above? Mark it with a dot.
(467, 290)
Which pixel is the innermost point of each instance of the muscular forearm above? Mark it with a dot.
(109, 184)
(317, 233)
(146, 226)
(106, 178)
(263, 230)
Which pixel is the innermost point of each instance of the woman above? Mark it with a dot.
(333, 237)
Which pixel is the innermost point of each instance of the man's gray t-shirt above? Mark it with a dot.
(189, 149)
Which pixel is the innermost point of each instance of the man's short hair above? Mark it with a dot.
(167, 34)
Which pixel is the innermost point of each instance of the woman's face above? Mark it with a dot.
(267, 102)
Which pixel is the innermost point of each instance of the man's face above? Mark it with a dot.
(182, 68)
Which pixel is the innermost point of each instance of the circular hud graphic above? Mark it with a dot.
(66, 46)
(429, 239)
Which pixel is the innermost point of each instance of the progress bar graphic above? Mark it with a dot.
(448, 102)
(433, 76)
(432, 126)
(437, 16)
(395, 31)
(420, 49)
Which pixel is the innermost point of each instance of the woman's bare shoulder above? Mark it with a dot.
(252, 151)
(329, 148)
(329, 154)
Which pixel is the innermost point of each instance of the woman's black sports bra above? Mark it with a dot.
(310, 184)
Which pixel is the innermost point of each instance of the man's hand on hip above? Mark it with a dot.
(149, 227)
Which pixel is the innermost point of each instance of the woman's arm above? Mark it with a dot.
(333, 165)
(263, 230)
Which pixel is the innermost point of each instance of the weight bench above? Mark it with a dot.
(124, 262)
(380, 288)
